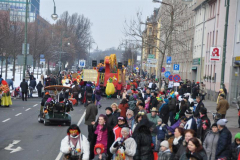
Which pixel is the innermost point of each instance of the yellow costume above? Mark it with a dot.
(110, 89)
(6, 96)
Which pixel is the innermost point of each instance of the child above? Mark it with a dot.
(147, 103)
(99, 152)
(235, 147)
(164, 152)
(161, 133)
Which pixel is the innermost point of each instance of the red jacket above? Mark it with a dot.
(119, 86)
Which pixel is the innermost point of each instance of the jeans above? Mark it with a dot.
(171, 116)
(154, 140)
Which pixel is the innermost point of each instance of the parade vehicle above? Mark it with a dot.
(56, 111)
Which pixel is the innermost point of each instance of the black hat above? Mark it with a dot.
(184, 118)
(222, 95)
(203, 110)
(214, 125)
(109, 108)
(141, 104)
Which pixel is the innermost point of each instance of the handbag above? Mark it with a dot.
(177, 115)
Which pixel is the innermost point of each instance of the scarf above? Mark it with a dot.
(129, 121)
(175, 141)
(74, 140)
(99, 132)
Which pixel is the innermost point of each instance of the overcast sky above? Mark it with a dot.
(107, 16)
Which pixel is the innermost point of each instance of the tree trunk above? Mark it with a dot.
(14, 66)
(48, 70)
(160, 77)
(6, 64)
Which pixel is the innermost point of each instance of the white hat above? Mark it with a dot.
(164, 144)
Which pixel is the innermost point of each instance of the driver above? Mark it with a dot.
(75, 144)
(45, 98)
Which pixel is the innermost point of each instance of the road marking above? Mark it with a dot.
(6, 120)
(9, 147)
(79, 122)
(18, 114)
(28, 109)
(35, 105)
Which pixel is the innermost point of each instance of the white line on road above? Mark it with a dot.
(35, 105)
(79, 122)
(6, 120)
(28, 109)
(18, 114)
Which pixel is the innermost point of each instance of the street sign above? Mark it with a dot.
(176, 67)
(176, 78)
(167, 74)
(163, 69)
(151, 56)
(149, 60)
(215, 53)
(168, 66)
(82, 63)
(23, 48)
(151, 65)
(169, 60)
(168, 69)
(170, 78)
(41, 56)
(42, 61)
(20, 60)
(138, 58)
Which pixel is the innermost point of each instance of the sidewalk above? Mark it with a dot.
(231, 116)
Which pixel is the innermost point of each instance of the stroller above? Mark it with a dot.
(16, 93)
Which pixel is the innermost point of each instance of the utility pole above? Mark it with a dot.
(225, 42)
(25, 40)
(60, 58)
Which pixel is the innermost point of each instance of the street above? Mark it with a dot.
(22, 137)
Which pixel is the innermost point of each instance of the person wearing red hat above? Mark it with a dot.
(99, 152)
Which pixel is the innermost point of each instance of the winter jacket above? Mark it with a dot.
(91, 113)
(153, 120)
(181, 91)
(111, 123)
(183, 109)
(130, 148)
(172, 105)
(224, 143)
(119, 87)
(161, 131)
(153, 102)
(164, 113)
(44, 100)
(39, 86)
(84, 146)
(117, 130)
(201, 132)
(146, 96)
(235, 150)
(104, 157)
(123, 108)
(132, 103)
(166, 155)
(222, 106)
(181, 150)
(130, 122)
(210, 144)
(143, 140)
(76, 89)
(191, 124)
(48, 81)
(177, 146)
(32, 84)
(24, 86)
(116, 114)
(201, 154)
(196, 112)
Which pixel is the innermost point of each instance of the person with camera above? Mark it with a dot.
(75, 145)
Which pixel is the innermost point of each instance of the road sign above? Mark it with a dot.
(168, 66)
(163, 69)
(215, 53)
(169, 60)
(82, 63)
(23, 48)
(20, 60)
(167, 74)
(41, 56)
(170, 78)
(149, 60)
(151, 56)
(176, 78)
(151, 65)
(168, 69)
(176, 67)
(42, 61)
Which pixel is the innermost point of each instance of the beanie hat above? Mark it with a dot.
(129, 92)
(129, 111)
(221, 122)
(214, 125)
(237, 136)
(164, 144)
(126, 129)
(109, 108)
(159, 120)
(188, 112)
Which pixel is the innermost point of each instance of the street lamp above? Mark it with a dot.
(54, 15)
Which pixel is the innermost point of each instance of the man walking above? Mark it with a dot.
(222, 106)
(32, 86)
(10, 82)
(224, 141)
(91, 113)
(24, 88)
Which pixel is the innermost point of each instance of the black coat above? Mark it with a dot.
(116, 114)
(48, 81)
(24, 86)
(164, 113)
(111, 123)
(177, 146)
(172, 105)
(153, 102)
(183, 110)
(201, 134)
(39, 86)
(194, 92)
(143, 140)
(181, 91)
(234, 151)
(196, 112)
(53, 81)
(45, 99)
(224, 143)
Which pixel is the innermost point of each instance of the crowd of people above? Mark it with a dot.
(152, 123)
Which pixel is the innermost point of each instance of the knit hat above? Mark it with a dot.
(109, 108)
(126, 129)
(159, 120)
(164, 144)
(221, 122)
(214, 125)
(129, 92)
(237, 136)
(188, 112)
(129, 111)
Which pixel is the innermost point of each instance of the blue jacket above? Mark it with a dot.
(161, 131)
(224, 144)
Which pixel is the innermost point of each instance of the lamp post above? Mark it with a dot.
(25, 40)
(54, 15)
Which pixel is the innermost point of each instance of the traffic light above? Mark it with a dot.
(94, 63)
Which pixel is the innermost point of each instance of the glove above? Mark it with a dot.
(116, 144)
